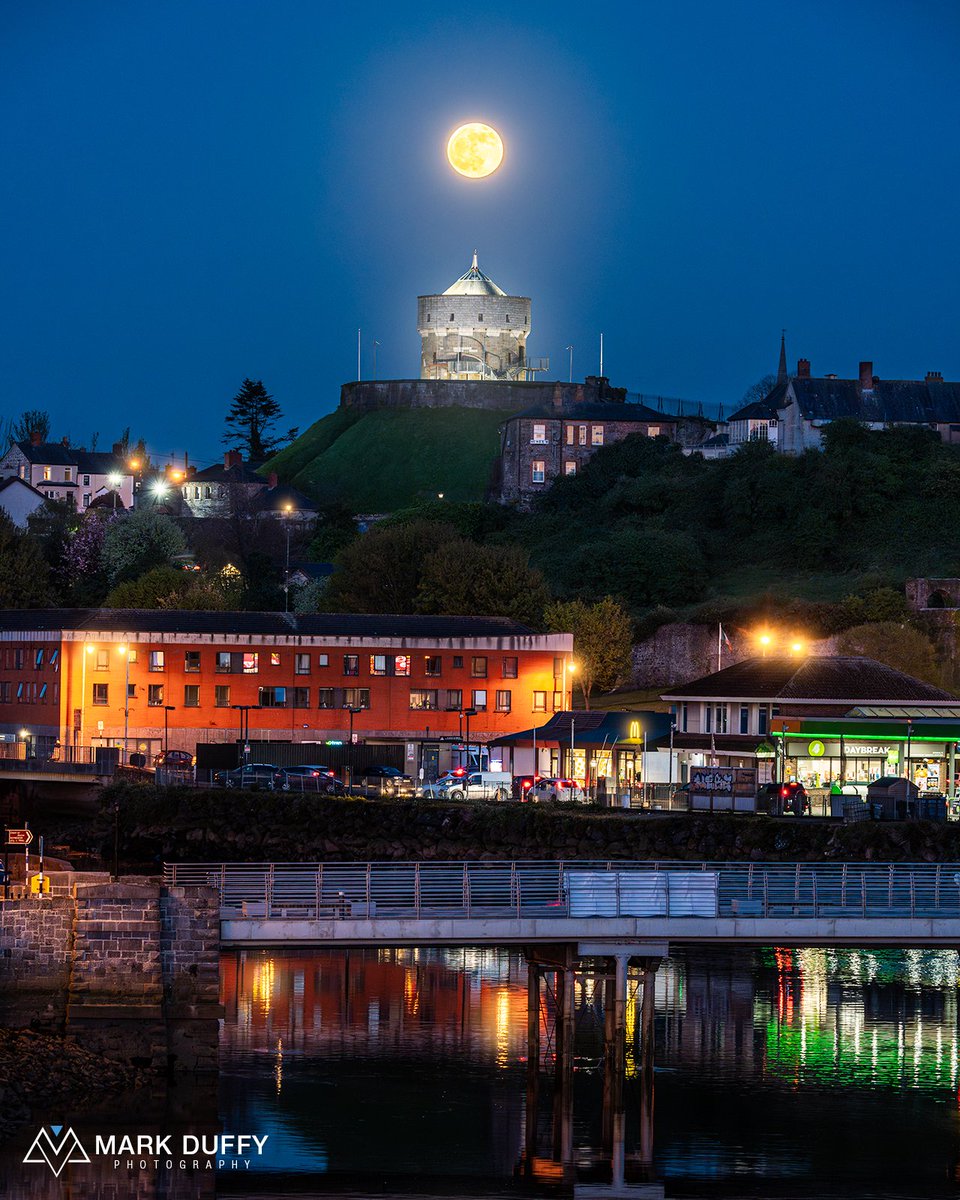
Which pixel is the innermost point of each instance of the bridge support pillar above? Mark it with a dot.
(563, 1079)
(649, 976)
(533, 1060)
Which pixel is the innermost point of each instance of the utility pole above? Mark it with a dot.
(570, 348)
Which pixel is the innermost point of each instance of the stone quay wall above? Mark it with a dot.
(127, 966)
(496, 395)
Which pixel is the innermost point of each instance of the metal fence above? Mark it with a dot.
(564, 889)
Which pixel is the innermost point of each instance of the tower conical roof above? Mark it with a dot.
(474, 283)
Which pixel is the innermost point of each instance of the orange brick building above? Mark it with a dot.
(115, 677)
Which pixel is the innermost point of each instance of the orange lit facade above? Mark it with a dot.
(109, 678)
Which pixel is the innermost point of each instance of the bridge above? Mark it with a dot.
(631, 909)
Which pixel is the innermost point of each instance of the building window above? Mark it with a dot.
(43, 693)
(191, 661)
(274, 658)
(46, 474)
(684, 717)
(100, 693)
(302, 664)
(301, 697)
(208, 492)
(582, 435)
(454, 700)
(356, 698)
(432, 664)
(540, 702)
(401, 664)
(378, 664)
(708, 718)
(351, 664)
(323, 660)
(251, 663)
(325, 698)
(479, 701)
(596, 435)
(131, 691)
(720, 718)
(18, 659)
(103, 660)
(273, 697)
(653, 431)
(571, 435)
(67, 474)
(537, 471)
(569, 468)
(453, 316)
(478, 667)
(86, 499)
(509, 668)
(423, 698)
(558, 701)
(503, 701)
(479, 316)
(191, 695)
(86, 481)
(38, 659)
(156, 660)
(222, 695)
(6, 692)
(155, 695)
(744, 718)
(224, 662)
(539, 435)
(458, 662)
(762, 720)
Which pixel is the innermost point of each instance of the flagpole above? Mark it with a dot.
(719, 642)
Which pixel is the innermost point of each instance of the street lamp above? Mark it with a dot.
(571, 667)
(115, 480)
(353, 710)
(167, 710)
(468, 713)
(764, 639)
(570, 349)
(124, 649)
(88, 650)
(244, 711)
(287, 510)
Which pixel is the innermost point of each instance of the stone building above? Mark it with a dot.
(234, 488)
(64, 472)
(474, 330)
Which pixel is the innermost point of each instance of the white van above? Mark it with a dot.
(479, 785)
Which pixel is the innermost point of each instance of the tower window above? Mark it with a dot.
(453, 317)
(508, 318)
(428, 317)
(480, 316)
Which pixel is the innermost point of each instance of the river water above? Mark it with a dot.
(796, 1073)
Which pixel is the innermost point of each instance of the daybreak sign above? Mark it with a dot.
(57, 1147)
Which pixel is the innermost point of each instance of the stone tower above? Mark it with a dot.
(474, 330)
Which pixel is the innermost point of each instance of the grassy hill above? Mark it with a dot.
(391, 458)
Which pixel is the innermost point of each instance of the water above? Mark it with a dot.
(802, 1073)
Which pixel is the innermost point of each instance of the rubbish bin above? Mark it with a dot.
(107, 759)
(876, 811)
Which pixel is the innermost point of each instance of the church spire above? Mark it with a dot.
(782, 367)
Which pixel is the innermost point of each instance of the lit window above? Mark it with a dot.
(537, 471)
(323, 660)
(569, 468)
(432, 664)
(539, 435)
(103, 660)
(156, 660)
(503, 701)
(479, 701)
(425, 698)
(596, 435)
(653, 431)
(67, 474)
(224, 664)
(571, 435)
(356, 698)
(401, 664)
(274, 658)
(351, 664)
(582, 435)
(100, 693)
(251, 662)
(378, 665)
(155, 695)
(46, 473)
(540, 702)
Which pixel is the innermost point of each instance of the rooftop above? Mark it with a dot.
(474, 283)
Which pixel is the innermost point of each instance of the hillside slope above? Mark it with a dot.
(390, 458)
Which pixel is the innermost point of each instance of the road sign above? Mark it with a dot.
(19, 837)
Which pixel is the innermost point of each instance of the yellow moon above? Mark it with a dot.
(475, 150)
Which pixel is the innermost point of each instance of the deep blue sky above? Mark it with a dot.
(195, 192)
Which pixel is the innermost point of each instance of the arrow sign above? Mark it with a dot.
(19, 837)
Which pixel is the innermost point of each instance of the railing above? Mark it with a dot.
(465, 890)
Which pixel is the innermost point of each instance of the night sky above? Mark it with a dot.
(196, 192)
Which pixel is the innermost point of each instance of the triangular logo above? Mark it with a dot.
(56, 1151)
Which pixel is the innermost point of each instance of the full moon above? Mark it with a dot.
(475, 150)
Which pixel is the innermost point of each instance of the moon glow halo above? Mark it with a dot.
(475, 150)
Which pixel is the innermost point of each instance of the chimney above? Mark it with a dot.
(118, 449)
(557, 397)
(934, 377)
(35, 439)
(65, 442)
(272, 480)
(866, 376)
(232, 458)
(803, 368)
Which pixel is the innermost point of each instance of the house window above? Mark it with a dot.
(720, 718)
(323, 660)
(653, 431)
(423, 698)
(251, 663)
(273, 697)
(571, 435)
(762, 720)
(744, 718)
(432, 664)
(156, 660)
(222, 695)
(539, 435)
(378, 664)
(86, 499)
(708, 718)
(155, 695)
(46, 473)
(582, 438)
(596, 435)
(569, 468)
(224, 664)
(401, 664)
(454, 700)
(478, 667)
(100, 693)
(351, 664)
(457, 662)
(479, 701)
(503, 701)
(356, 698)
(684, 717)
(67, 474)
(86, 481)
(103, 660)
(274, 658)
(301, 697)
(325, 698)
(509, 668)
(302, 664)
(191, 661)
(208, 492)
(537, 471)
(191, 695)
(558, 701)
(540, 702)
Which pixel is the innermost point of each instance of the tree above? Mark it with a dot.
(34, 420)
(602, 641)
(24, 577)
(759, 390)
(138, 541)
(250, 420)
(381, 571)
(899, 646)
(169, 587)
(461, 578)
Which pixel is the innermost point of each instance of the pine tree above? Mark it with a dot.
(250, 420)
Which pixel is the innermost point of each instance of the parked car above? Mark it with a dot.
(309, 777)
(179, 759)
(479, 785)
(557, 789)
(783, 799)
(384, 781)
(437, 787)
(251, 775)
